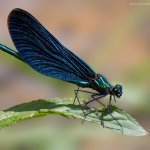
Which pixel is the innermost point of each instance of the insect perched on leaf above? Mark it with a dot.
(44, 53)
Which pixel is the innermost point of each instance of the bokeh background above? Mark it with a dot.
(114, 38)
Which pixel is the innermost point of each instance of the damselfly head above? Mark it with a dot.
(117, 90)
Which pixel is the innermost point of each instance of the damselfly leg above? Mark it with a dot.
(96, 97)
(76, 98)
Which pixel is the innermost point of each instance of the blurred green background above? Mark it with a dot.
(114, 38)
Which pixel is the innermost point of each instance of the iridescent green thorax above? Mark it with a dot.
(103, 83)
(102, 86)
(98, 84)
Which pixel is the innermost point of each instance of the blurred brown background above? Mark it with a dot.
(113, 37)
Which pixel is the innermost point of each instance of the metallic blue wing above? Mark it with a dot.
(43, 52)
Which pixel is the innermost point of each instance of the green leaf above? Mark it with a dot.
(117, 120)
